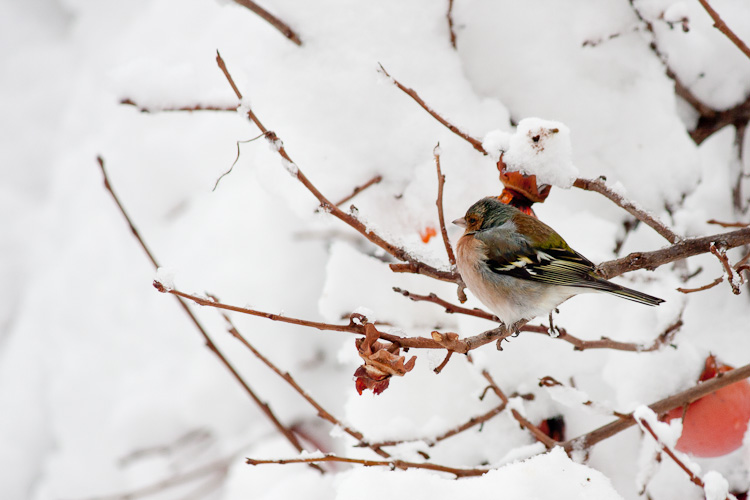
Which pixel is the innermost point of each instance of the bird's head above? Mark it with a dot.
(486, 213)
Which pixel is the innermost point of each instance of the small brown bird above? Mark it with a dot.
(521, 268)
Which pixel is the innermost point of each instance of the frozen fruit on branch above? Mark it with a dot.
(554, 427)
(382, 361)
(715, 424)
(521, 190)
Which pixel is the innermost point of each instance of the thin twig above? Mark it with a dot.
(439, 203)
(721, 253)
(322, 412)
(414, 264)
(695, 479)
(720, 25)
(264, 407)
(393, 464)
(359, 189)
(236, 159)
(664, 338)
(196, 107)
(660, 407)
(449, 308)
(449, 15)
(272, 20)
(728, 224)
(702, 288)
(440, 367)
(476, 143)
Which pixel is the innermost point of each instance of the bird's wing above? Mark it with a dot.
(541, 255)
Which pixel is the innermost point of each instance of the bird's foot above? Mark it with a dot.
(553, 331)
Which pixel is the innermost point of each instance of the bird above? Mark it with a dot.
(520, 268)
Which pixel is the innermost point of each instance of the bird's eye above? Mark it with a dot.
(472, 219)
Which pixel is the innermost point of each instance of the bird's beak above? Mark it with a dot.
(460, 222)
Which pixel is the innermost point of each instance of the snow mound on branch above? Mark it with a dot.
(552, 475)
(542, 148)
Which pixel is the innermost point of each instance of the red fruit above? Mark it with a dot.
(715, 424)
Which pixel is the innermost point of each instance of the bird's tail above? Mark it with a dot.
(630, 294)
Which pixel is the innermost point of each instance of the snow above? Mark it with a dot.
(551, 475)
(542, 148)
(106, 386)
(165, 277)
(715, 486)
(666, 433)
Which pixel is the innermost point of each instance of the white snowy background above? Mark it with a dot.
(107, 389)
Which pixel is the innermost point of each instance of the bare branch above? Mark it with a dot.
(682, 250)
(264, 407)
(472, 422)
(414, 264)
(271, 19)
(664, 338)
(393, 464)
(359, 189)
(439, 203)
(476, 143)
(579, 344)
(720, 25)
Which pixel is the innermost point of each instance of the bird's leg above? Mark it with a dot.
(553, 330)
(516, 328)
